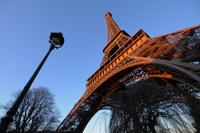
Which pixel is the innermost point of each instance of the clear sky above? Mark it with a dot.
(25, 27)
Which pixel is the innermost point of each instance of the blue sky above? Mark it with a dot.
(25, 27)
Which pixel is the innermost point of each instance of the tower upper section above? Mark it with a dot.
(112, 27)
(115, 38)
(119, 45)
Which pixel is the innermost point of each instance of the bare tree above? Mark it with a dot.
(37, 112)
(150, 107)
(193, 96)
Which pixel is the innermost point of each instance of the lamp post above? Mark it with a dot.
(56, 40)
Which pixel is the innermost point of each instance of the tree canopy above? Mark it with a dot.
(151, 106)
(37, 112)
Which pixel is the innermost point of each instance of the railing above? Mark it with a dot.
(128, 47)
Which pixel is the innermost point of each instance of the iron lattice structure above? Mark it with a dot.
(126, 59)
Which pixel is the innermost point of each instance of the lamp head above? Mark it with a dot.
(56, 39)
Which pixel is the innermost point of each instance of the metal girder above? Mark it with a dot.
(127, 73)
(173, 56)
(112, 27)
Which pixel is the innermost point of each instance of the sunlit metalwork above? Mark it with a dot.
(126, 59)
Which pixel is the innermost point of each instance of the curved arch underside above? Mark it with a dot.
(127, 71)
(166, 56)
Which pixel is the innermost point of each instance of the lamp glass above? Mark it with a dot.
(56, 41)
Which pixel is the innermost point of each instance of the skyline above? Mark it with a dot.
(26, 26)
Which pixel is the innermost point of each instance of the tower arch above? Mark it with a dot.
(174, 55)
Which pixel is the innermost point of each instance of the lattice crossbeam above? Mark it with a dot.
(112, 27)
(173, 56)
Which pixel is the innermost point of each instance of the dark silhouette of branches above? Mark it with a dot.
(193, 96)
(151, 106)
(37, 112)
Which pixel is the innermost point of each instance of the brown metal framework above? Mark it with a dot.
(112, 27)
(174, 56)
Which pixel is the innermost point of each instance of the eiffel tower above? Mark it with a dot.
(126, 59)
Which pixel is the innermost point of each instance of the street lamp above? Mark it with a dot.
(56, 40)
